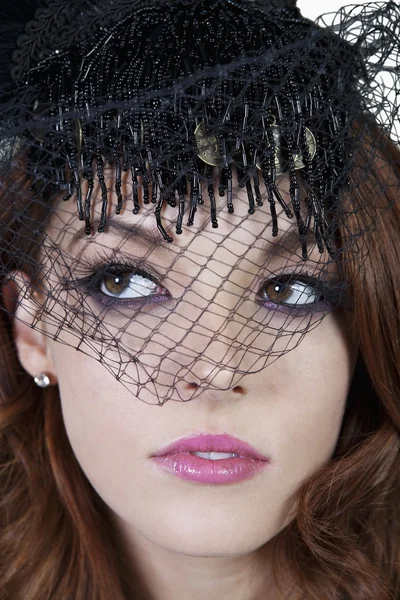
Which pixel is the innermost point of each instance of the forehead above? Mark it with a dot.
(239, 231)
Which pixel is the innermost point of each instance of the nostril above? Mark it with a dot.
(192, 386)
(238, 389)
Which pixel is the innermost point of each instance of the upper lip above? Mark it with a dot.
(205, 442)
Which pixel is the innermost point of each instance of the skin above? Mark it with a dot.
(191, 540)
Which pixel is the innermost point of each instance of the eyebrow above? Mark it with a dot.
(150, 235)
(153, 237)
(288, 243)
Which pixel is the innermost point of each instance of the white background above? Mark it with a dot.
(313, 8)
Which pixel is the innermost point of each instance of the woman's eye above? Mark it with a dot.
(130, 284)
(293, 293)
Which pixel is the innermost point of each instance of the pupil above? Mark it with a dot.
(114, 283)
(277, 292)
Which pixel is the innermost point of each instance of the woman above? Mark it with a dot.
(229, 426)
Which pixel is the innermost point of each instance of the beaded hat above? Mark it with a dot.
(245, 132)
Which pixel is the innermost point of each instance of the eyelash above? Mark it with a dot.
(331, 292)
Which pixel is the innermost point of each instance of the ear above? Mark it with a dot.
(23, 303)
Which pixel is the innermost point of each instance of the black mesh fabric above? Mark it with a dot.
(147, 147)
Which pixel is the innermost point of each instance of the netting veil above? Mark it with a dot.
(238, 133)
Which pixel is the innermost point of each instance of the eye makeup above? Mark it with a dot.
(328, 293)
(301, 291)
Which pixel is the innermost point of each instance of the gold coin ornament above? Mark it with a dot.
(276, 133)
(312, 149)
(298, 158)
(141, 133)
(78, 135)
(207, 146)
(208, 150)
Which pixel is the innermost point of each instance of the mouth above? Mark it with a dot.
(211, 459)
(212, 447)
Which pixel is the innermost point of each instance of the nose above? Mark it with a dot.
(208, 379)
(215, 368)
(212, 338)
(211, 354)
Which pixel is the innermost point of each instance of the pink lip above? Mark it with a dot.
(205, 442)
(176, 459)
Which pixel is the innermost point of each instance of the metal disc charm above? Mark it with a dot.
(312, 148)
(207, 146)
(276, 132)
(298, 158)
(78, 135)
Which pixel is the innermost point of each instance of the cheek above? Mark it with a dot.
(314, 380)
(109, 430)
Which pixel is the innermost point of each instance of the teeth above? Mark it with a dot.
(215, 455)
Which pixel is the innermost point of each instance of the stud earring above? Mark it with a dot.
(42, 380)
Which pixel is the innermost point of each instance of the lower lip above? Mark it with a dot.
(194, 468)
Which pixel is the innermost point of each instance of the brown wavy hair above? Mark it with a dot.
(57, 540)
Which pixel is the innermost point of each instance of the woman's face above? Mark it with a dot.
(197, 345)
